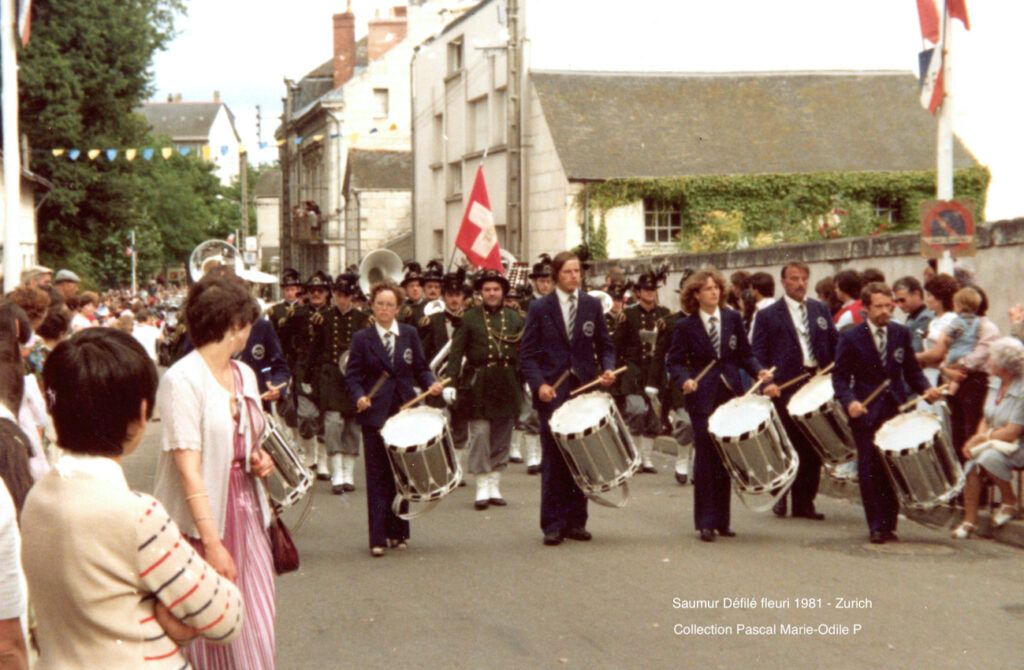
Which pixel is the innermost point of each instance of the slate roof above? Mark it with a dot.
(183, 121)
(373, 169)
(268, 185)
(608, 125)
(320, 81)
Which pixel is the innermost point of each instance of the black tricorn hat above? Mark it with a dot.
(413, 272)
(290, 277)
(319, 278)
(485, 276)
(347, 282)
(541, 268)
(434, 272)
(454, 281)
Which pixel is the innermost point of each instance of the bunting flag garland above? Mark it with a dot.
(147, 153)
(129, 154)
(206, 152)
(111, 154)
(57, 152)
(167, 152)
(93, 153)
(184, 151)
(74, 154)
(224, 149)
(318, 138)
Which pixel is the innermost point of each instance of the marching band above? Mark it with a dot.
(499, 358)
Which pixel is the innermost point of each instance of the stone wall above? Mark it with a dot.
(383, 216)
(998, 265)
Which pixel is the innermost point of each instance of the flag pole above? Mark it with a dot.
(12, 154)
(944, 133)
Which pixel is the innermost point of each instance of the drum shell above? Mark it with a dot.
(428, 470)
(290, 479)
(926, 475)
(828, 431)
(602, 457)
(761, 460)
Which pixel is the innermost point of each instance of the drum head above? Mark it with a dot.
(908, 431)
(579, 414)
(811, 396)
(740, 416)
(413, 427)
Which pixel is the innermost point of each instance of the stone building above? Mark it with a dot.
(378, 202)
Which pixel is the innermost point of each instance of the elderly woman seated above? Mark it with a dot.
(995, 450)
(112, 582)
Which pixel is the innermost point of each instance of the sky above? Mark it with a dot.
(245, 49)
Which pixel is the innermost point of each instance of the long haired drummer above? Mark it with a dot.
(711, 339)
(565, 340)
(796, 336)
(387, 356)
(868, 355)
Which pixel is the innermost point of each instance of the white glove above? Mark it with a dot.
(449, 395)
(650, 390)
(306, 388)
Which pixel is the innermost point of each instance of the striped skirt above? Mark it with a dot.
(249, 545)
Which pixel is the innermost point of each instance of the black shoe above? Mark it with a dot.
(816, 516)
(681, 479)
(337, 489)
(498, 502)
(707, 535)
(553, 538)
(462, 482)
(348, 488)
(578, 534)
(649, 470)
(890, 536)
(779, 508)
(877, 537)
(323, 477)
(533, 470)
(517, 459)
(728, 532)
(481, 505)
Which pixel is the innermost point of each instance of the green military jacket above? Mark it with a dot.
(332, 338)
(635, 341)
(285, 318)
(658, 372)
(488, 384)
(303, 332)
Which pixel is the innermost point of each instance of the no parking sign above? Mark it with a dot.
(947, 225)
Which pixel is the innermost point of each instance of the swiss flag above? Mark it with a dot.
(933, 88)
(477, 237)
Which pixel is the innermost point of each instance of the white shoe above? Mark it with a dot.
(532, 451)
(1003, 515)
(494, 493)
(308, 447)
(963, 531)
(483, 492)
(348, 477)
(337, 474)
(322, 473)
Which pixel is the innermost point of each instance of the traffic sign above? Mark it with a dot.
(947, 225)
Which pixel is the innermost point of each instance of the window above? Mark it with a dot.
(454, 178)
(886, 209)
(499, 110)
(662, 222)
(455, 56)
(476, 129)
(439, 243)
(438, 148)
(380, 103)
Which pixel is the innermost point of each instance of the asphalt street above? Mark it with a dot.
(479, 590)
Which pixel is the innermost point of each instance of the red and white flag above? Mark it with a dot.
(933, 89)
(24, 8)
(929, 16)
(477, 237)
(958, 10)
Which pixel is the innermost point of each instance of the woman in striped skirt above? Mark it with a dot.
(211, 461)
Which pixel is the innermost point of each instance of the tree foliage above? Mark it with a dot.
(82, 76)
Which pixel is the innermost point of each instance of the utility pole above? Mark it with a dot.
(243, 162)
(286, 181)
(135, 266)
(944, 131)
(514, 141)
(12, 154)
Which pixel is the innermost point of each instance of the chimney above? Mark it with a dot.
(385, 33)
(344, 63)
(216, 96)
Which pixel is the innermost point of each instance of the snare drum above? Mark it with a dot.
(754, 446)
(596, 445)
(422, 456)
(290, 479)
(920, 460)
(821, 418)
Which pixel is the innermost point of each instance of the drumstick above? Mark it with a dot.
(874, 394)
(590, 385)
(825, 370)
(561, 379)
(794, 380)
(756, 386)
(423, 395)
(707, 369)
(913, 401)
(376, 387)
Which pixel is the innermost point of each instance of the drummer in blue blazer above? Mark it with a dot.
(868, 355)
(387, 352)
(711, 335)
(565, 334)
(795, 336)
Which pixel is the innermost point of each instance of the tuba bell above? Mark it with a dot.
(606, 300)
(211, 254)
(378, 266)
(433, 307)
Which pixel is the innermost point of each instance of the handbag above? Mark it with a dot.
(282, 547)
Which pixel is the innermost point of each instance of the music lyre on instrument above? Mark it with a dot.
(753, 389)
(376, 387)
(592, 384)
(795, 380)
(913, 401)
(877, 392)
(423, 395)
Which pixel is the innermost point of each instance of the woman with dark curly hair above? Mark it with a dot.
(211, 461)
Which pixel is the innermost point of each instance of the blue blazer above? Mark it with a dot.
(859, 369)
(777, 344)
(545, 351)
(691, 351)
(262, 353)
(367, 361)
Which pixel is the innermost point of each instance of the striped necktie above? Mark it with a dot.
(389, 346)
(716, 339)
(571, 325)
(880, 333)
